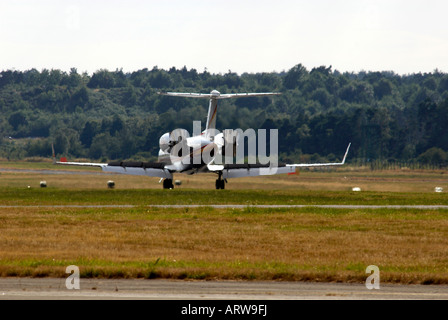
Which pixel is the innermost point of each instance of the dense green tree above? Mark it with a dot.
(383, 88)
(294, 77)
(112, 114)
(102, 79)
(80, 98)
(88, 133)
(17, 119)
(434, 156)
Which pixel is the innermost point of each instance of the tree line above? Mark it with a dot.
(113, 115)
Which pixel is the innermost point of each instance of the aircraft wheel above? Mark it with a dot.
(168, 184)
(220, 184)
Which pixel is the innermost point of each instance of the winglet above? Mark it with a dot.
(346, 152)
(306, 165)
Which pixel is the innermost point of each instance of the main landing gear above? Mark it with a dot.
(220, 183)
(168, 184)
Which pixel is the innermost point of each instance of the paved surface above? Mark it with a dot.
(137, 289)
(235, 206)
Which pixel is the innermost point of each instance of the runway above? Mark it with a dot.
(141, 289)
(234, 206)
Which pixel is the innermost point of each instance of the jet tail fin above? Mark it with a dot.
(214, 96)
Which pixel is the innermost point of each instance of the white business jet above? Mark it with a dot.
(180, 153)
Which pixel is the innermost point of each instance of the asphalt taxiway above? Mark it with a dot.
(234, 206)
(142, 289)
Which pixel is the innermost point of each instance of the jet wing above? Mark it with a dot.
(249, 170)
(252, 170)
(81, 164)
(150, 169)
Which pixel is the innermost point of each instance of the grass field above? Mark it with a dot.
(311, 244)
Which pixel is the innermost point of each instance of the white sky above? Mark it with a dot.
(405, 36)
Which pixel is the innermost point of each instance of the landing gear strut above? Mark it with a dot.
(168, 184)
(220, 183)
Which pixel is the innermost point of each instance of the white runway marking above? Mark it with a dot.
(234, 206)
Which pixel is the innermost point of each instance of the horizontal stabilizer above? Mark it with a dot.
(218, 96)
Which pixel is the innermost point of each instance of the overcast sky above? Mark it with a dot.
(404, 36)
